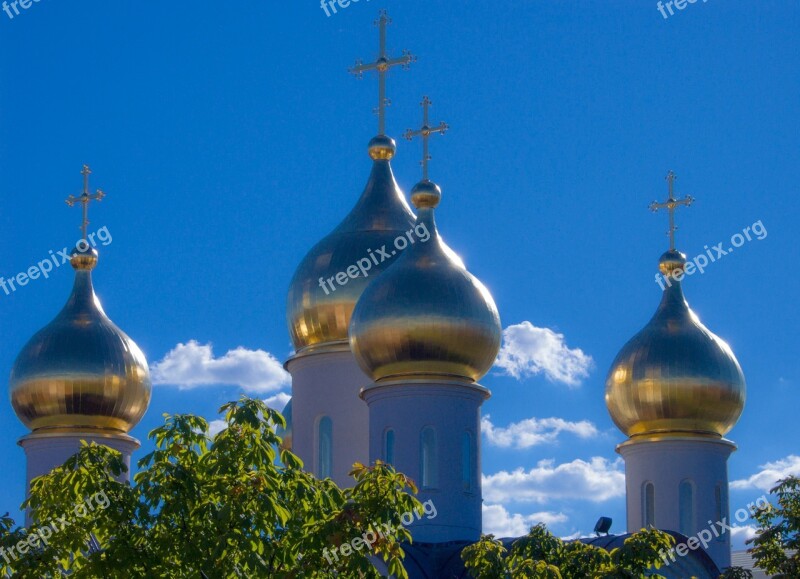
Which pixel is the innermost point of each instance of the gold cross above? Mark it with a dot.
(425, 132)
(382, 65)
(85, 198)
(671, 204)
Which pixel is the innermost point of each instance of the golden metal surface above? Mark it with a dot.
(81, 371)
(319, 320)
(675, 375)
(671, 204)
(85, 199)
(426, 316)
(425, 132)
(382, 66)
(318, 309)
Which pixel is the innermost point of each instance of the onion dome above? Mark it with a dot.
(426, 317)
(334, 274)
(675, 377)
(80, 371)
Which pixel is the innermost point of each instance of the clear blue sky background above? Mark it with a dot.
(230, 138)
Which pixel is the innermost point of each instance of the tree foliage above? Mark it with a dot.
(776, 546)
(736, 573)
(203, 506)
(541, 555)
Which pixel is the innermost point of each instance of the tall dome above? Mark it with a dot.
(675, 377)
(318, 311)
(426, 316)
(80, 372)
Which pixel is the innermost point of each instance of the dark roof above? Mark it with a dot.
(443, 560)
(435, 560)
(699, 557)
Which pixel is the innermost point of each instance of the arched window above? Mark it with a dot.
(686, 508)
(325, 447)
(467, 461)
(428, 458)
(388, 447)
(649, 505)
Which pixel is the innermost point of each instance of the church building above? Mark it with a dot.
(392, 335)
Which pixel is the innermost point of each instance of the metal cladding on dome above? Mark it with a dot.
(675, 377)
(318, 313)
(80, 371)
(426, 317)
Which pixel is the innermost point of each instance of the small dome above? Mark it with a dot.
(426, 316)
(675, 376)
(81, 371)
(319, 307)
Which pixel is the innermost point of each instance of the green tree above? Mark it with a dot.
(207, 507)
(776, 546)
(736, 573)
(541, 555)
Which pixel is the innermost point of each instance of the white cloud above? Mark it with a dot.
(576, 535)
(770, 473)
(597, 480)
(279, 401)
(192, 365)
(499, 522)
(533, 431)
(528, 351)
(740, 535)
(216, 426)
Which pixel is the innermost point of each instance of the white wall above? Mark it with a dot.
(329, 384)
(451, 408)
(46, 451)
(667, 462)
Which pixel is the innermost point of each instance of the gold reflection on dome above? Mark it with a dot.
(81, 371)
(318, 317)
(675, 376)
(426, 316)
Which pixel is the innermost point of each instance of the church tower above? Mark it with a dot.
(676, 389)
(80, 378)
(425, 332)
(330, 428)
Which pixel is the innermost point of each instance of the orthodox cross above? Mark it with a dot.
(85, 198)
(425, 132)
(671, 204)
(382, 66)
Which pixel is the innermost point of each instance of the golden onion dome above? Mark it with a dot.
(80, 371)
(319, 305)
(426, 317)
(675, 377)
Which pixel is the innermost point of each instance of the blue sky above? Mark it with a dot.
(230, 138)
